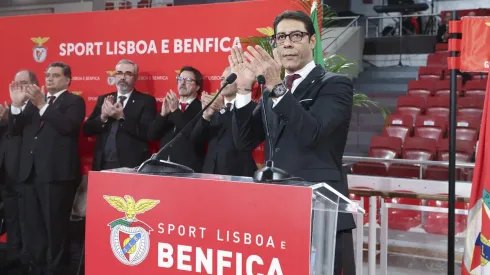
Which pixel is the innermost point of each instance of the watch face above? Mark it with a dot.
(279, 90)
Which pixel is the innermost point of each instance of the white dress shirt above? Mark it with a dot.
(188, 101)
(242, 100)
(16, 110)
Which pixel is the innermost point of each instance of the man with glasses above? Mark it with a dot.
(49, 167)
(215, 127)
(308, 113)
(120, 122)
(175, 114)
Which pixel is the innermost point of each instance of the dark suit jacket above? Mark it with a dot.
(309, 130)
(131, 139)
(222, 156)
(51, 149)
(9, 152)
(184, 151)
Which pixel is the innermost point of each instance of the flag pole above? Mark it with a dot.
(453, 66)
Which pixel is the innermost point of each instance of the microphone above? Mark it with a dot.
(155, 165)
(268, 173)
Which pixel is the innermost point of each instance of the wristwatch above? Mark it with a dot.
(278, 90)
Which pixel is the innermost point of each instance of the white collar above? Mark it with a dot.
(57, 94)
(303, 72)
(127, 95)
(188, 101)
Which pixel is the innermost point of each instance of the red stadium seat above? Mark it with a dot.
(398, 126)
(125, 5)
(430, 127)
(437, 223)
(109, 6)
(438, 59)
(475, 88)
(422, 87)
(470, 106)
(400, 219)
(410, 105)
(380, 147)
(438, 106)
(441, 47)
(430, 73)
(414, 148)
(467, 127)
(464, 153)
(442, 87)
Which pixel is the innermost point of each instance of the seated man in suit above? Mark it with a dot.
(309, 114)
(175, 114)
(49, 170)
(120, 122)
(215, 128)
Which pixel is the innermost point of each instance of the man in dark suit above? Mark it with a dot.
(215, 128)
(309, 113)
(49, 164)
(120, 122)
(175, 114)
(11, 192)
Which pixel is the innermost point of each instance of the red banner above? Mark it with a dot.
(159, 40)
(167, 225)
(475, 52)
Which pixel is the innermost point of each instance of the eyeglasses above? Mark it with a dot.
(294, 37)
(185, 79)
(124, 74)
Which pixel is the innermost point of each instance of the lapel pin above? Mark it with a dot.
(133, 101)
(222, 111)
(313, 81)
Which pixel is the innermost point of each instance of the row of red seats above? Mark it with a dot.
(442, 72)
(427, 86)
(438, 106)
(414, 148)
(427, 126)
(399, 219)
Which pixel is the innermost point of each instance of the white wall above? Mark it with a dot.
(48, 8)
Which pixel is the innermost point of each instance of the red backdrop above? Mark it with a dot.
(475, 52)
(160, 40)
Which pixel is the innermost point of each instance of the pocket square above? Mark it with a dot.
(308, 99)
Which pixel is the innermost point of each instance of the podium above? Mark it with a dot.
(209, 224)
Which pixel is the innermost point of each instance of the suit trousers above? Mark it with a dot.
(345, 263)
(47, 207)
(11, 196)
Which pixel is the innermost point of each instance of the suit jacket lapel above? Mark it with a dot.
(131, 103)
(57, 102)
(300, 92)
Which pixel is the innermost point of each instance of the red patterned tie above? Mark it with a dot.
(290, 79)
(183, 106)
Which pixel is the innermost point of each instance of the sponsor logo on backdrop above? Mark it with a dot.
(144, 47)
(486, 64)
(130, 237)
(39, 52)
(111, 79)
(85, 78)
(77, 93)
(153, 77)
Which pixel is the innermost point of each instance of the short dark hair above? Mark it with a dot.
(197, 76)
(298, 16)
(65, 68)
(32, 76)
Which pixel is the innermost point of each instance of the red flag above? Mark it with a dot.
(477, 245)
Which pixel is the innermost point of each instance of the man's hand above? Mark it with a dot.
(36, 95)
(165, 108)
(106, 110)
(261, 63)
(245, 76)
(17, 94)
(205, 99)
(173, 101)
(4, 112)
(118, 111)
